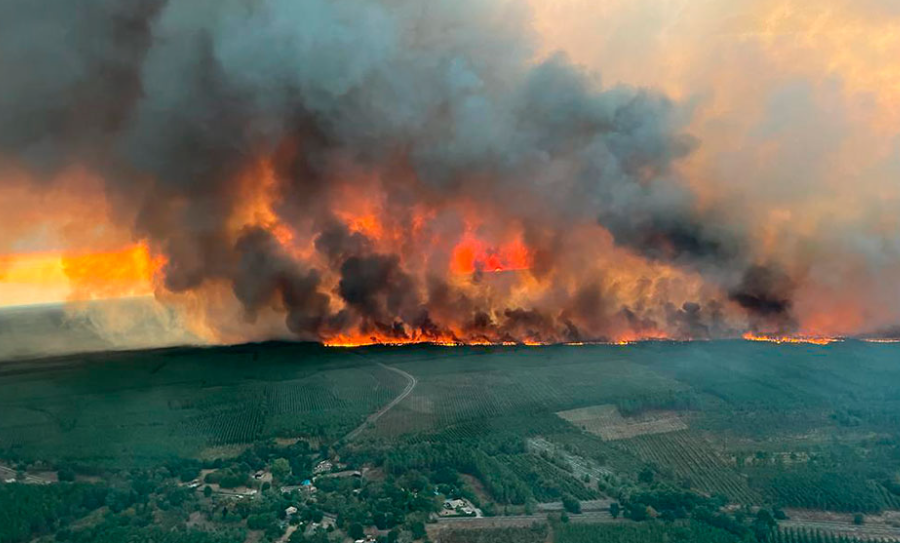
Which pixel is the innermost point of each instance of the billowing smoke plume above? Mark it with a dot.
(392, 169)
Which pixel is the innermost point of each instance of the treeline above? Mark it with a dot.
(296, 459)
(509, 473)
(27, 511)
(386, 504)
(106, 533)
(501, 482)
(677, 506)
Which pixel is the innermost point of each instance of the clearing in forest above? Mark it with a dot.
(606, 422)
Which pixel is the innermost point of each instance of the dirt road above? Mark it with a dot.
(371, 419)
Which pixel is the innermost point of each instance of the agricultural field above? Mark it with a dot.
(648, 533)
(688, 458)
(535, 534)
(687, 533)
(805, 535)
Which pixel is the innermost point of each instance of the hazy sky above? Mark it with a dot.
(798, 113)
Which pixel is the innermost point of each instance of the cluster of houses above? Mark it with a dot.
(458, 507)
(325, 466)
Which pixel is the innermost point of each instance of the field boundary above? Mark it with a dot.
(607, 421)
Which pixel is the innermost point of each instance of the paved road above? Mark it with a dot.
(410, 385)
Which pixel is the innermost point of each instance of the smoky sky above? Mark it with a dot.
(170, 102)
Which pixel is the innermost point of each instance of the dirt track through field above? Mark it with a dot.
(371, 419)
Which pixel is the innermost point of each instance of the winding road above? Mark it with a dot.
(371, 419)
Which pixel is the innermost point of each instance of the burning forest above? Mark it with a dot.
(357, 172)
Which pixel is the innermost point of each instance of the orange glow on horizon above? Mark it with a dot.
(53, 277)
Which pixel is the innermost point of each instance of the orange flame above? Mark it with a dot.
(349, 341)
(791, 339)
(472, 254)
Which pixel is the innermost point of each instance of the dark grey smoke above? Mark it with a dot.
(377, 288)
(71, 76)
(338, 243)
(766, 293)
(264, 272)
(172, 101)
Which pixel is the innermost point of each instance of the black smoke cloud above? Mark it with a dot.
(264, 272)
(766, 293)
(376, 287)
(170, 101)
